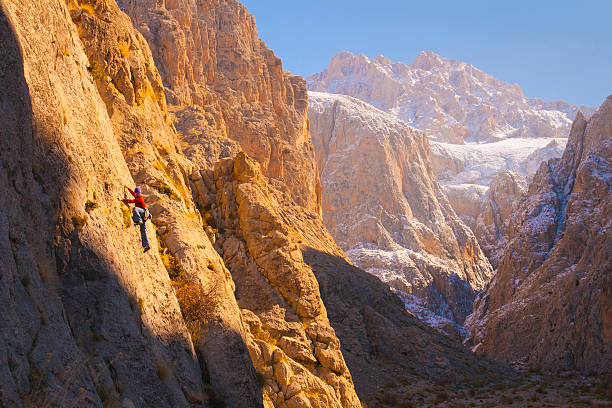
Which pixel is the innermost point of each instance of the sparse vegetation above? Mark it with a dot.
(90, 206)
(193, 301)
(124, 48)
(164, 188)
(96, 70)
(88, 8)
(173, 266)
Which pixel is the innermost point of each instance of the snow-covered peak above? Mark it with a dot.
(427, 60)
(452, 101)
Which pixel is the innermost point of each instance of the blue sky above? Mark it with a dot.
(552, 49)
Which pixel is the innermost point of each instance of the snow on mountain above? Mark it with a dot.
(383, 205)
(452, 101)
(479, 126)
(478, 163)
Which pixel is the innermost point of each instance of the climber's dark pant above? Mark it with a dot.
(138, 216)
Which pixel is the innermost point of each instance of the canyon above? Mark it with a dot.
(384, 207)
(272, 208)
(548, 305)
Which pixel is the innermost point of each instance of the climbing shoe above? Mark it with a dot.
(147, 248)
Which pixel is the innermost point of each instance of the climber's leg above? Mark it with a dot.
(144, 236)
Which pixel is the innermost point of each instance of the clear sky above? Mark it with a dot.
(552, 49)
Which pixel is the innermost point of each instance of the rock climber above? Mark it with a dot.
(140, 215)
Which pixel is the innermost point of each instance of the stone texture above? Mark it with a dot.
(87, 318)
(223, 83)
(549, 303)
(493, 223)
(260, 231)
(134, 98)
(383, 205)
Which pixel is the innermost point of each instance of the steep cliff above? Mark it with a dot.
(92, 320)
(478, 125)
(549, 303)
(88, 318)
(259, 232)
(492, 225)
(221, 80)
(383, 205)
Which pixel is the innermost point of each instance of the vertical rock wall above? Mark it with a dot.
(548, 305)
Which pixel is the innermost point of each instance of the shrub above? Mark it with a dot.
(163, 188)
(79, 222)
(89, 9)
(389, 399)
(124, 48)
(96, 71)
(191, 300)
(173, 266)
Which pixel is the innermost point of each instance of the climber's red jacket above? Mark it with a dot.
(138, 201)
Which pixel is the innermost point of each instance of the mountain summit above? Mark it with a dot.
(451, 100)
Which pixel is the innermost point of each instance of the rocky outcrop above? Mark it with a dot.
(549, 303)
(260, 231)
(450, 100)
(222, 82)
(487, 210)
(493, 223)
(93, 321)
(383, 206)
(286, 267)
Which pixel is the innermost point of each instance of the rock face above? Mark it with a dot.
(549, 303)
(383, 206)
(450, 100)
(487, 210)
(493, 222)
(382, 343)
(260, 231)
(91, 320)
(455, 103)
(87, 318)
(221, 80)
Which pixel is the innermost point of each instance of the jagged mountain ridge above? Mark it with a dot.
(480, 127)
(452, 101)
(548, 306)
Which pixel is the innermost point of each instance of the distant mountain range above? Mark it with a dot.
(452, 101)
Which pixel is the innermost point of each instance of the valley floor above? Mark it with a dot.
(524, 390)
